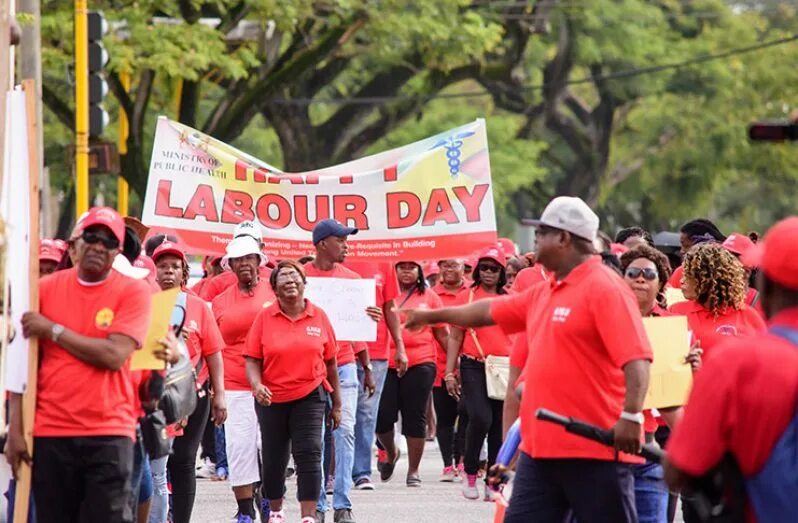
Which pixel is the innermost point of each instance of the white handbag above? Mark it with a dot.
(497, 368)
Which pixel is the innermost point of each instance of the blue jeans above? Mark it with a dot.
(159, 510)
(221, 452)
(651, 494)
(11, 495)
(366, 418)
(344, 438)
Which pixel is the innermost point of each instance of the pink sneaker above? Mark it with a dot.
(449, 475)
(470, 490)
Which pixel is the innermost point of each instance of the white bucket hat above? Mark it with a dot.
(124, 267)
(240, 247)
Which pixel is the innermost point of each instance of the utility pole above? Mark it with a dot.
(81, 108)
(30, 67)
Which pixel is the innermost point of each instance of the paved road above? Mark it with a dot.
(434, 502)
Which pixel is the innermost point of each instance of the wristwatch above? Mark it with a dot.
(56, 331)
(634, 417)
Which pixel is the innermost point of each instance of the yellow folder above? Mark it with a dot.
(162, 305)
(671, 378)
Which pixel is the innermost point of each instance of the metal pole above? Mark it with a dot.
(122, 189)
(81, 108)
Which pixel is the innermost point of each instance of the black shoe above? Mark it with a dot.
(388, 467)
(343, 515)
(319, 517)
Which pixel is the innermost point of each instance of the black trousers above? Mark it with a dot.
(181, 462)
(294, 427)
(594, 491)
(450, 414)
(82, 479)
(408, 395)
(484, 415)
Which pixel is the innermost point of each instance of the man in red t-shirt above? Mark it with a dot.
(329, 238)
(589, 358)
(92, 319)
(745, 396)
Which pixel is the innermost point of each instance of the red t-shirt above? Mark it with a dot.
(529, 277)
(234, 311)
(221, 282)
(75, 398)
(711, 330)
(675, 280)
(346, 349)
(741, 402)
(581, 332)
(204, 338)
(449, 299)
(197, 287)
(419, 345)
(293, 351)
(387, 287)
(492, 339)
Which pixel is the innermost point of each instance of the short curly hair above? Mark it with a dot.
(286, 264)
(718, 277)
(652, 254)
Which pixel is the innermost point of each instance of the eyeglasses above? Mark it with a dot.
(634, 272)
(93, 237)
(488, 268)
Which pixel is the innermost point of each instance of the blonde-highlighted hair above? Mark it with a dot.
(718, 277)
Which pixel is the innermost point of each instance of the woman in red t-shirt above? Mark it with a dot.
(471, 347)
(715, 286)
(234, 310)
(291, 366)
(204, 343)
(409, 394)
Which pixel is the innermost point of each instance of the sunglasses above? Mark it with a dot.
(93, 237)
(634, 272)
(488, 268)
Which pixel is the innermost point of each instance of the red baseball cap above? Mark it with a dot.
(107, 217)
(431, 269)
(618, 248)
(494, 253)
(508, 247)
(50, 250)
(738, 244)
(168, 247)
(777, 254)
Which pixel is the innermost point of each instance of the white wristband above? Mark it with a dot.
(634, 417)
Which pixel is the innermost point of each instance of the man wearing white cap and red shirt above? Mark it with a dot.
(588, 358)
(235, 310)
(220, 283)
(92, 319)
(743, 402)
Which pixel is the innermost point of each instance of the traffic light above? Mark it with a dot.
(773, 131)
(98, 88)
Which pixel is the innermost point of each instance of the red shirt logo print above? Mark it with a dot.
(560, 314)
(313, 331)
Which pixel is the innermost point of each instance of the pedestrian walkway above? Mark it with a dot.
(392, 502)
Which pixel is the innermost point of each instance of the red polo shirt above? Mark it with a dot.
(75, 398)
(346, 349)
(492, 339)
(221, 282)
(234, 311)
(293, 350)
(419, 345)
(529, 277)
(675, 280)
(387, 287)
(449, 299)
(204, 338)
(581, 332)
(741, 402)
(711, 330)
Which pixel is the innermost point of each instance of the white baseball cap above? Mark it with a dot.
(249, 228)
(570, 214)
(240, 247)
(124, 267)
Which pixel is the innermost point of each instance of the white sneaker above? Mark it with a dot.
(207, 470)
(277, 517)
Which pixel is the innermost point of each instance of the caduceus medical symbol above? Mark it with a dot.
(453, 144)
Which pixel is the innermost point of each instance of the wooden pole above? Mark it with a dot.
(29, 397)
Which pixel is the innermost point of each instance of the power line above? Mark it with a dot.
(626, 73)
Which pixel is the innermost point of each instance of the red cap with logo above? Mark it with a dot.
(508, 247)
(51, 250)
(105, 216)
(168, 247)
(738, 244)
(777, 254)
(494, 253)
